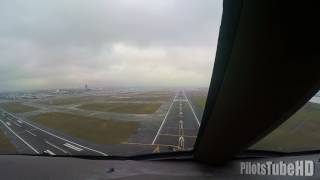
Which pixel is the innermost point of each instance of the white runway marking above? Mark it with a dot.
(72, 147)
(194, 114)
(50, 152)
(57, 147)
(61, 138)
(181, 124)
(32, 148)
(17, 124)
(181, 100)
(9, 124)
(31, 133)
(164, 120)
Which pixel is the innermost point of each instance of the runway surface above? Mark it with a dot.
(41, 141)
(177, 132)
(179, 128)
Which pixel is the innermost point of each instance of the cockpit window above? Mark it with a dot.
(118, 77)
(298, 133)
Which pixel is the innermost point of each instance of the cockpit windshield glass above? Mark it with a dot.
(115, 77)
(299, 133)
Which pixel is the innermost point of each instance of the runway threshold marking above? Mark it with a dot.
(189, 129)
(25, 142)
(164, 120)
(61, 138)
(175, 135)
(142, 144)
(57, 147)
(73, 147)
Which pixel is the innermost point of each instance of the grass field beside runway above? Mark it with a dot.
(73, 100)
(61, 101)
(127, 108)
(16, 107)
(156, 93)
(199, 101)
(300, 132)
(88, 128)
(5, 145)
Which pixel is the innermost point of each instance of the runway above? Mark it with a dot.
(41, 141)
(177, 132)
(179, 128)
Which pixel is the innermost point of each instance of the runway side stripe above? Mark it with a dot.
(32, 148)
(194, 114)
(164, 120)
(99, 152)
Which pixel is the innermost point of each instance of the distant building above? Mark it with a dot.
(86, 87)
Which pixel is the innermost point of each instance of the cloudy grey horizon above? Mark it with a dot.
(67, 43)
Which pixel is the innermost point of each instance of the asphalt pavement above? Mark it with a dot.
(177, 132)
(41, 141)
(179, 128)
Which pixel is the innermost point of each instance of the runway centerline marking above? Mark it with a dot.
(57, 147)
(25, 142)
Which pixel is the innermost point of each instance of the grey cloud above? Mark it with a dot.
(64, 43)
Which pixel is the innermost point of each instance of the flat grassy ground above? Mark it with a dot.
(156, 93)
(5, 145)
(73, 100)
(17, 107)
(146, 98)
(94, 99)
(94, 130)
(127, 108)
(199, 102)
(300, 132)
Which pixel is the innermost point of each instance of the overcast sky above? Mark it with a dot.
(51, 44)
